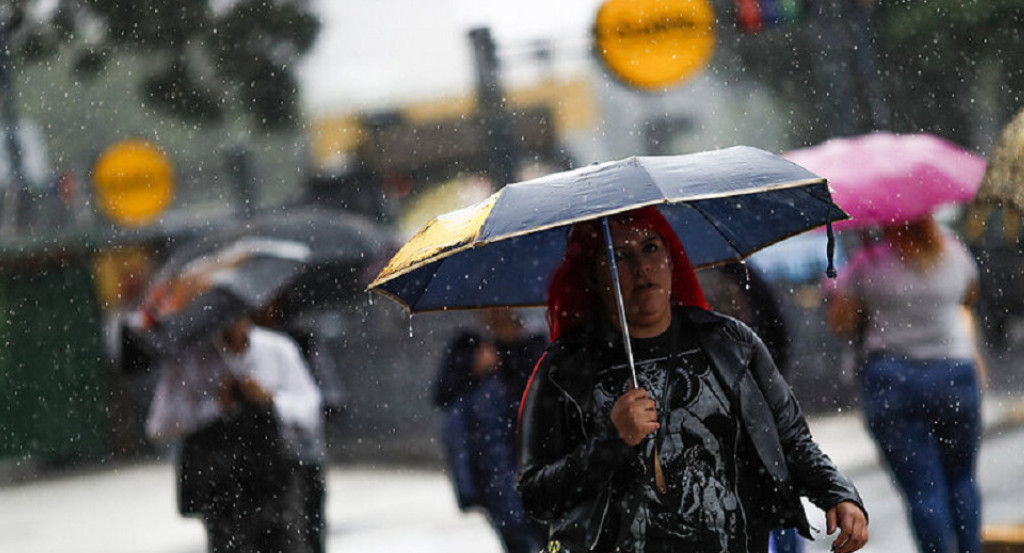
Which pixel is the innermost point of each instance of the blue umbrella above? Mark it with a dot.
(724, 205)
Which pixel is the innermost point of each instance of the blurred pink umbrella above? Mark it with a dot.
(885, 178)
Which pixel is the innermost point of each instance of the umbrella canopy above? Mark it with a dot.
(301, 257)
(723, 205)
(884, 178)
(342, 246)
(332, 236)
(1003, 183)
(214, 289)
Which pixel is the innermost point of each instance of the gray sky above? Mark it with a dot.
(383, 52)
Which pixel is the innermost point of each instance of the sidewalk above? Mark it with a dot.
(844, 438)
(131, 509)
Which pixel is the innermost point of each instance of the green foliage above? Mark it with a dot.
(940, 32)
(204, 54)
(912, 20)
(940, 49)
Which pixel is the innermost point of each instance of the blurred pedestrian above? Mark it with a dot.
(907, 300)
(247, 414)
(709, 452)
(478, 388)
(306, 503)
(741, 290)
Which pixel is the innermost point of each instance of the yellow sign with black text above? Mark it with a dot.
(133, 182)
(654, 44)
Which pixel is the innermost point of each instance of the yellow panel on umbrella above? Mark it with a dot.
(445, 232)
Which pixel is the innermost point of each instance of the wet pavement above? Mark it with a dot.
(131, 508)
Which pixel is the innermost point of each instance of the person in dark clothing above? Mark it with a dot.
(478, 387)
(740, 290)
(306, 497)
(709, 453)
(246, 412)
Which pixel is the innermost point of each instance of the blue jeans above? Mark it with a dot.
(925, 417)
(785, 540)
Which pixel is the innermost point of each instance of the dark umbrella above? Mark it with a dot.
(299, 258)
(723, 205)
(341, 246)
(213, 289)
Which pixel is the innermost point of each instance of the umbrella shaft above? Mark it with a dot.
(613, 267)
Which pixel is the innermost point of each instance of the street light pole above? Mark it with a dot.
(9, 115)
(502, 158)
(239, 164)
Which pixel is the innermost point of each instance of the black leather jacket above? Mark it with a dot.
(577, 480)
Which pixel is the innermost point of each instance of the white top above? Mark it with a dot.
(186, 394)
(915, 314)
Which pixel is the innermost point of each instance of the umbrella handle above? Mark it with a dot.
(614, 268)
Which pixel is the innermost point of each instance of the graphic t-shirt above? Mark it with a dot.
(697, 447)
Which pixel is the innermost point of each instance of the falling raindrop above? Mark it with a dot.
(410, 325)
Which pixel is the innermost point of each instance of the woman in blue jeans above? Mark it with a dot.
(907, 299)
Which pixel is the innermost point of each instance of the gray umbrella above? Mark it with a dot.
(212, 290)
(300, 258)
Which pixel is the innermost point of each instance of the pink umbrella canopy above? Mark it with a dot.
(885, 178)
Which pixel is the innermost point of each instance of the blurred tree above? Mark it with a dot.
(851, 66)
(204, 54)
(818, 62)
(935, 52)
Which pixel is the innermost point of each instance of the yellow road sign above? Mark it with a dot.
(134, 182)
(655, 43)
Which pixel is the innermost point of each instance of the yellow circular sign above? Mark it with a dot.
(655, 43)
(133, 181)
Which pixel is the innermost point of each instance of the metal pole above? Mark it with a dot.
(502, 159)
(863, 56)
(614, 268)
(659, 473)
(9, 115)
(240, 166)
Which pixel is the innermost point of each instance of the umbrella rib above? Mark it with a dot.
(715, 226)
(392, 297)
(374, 285)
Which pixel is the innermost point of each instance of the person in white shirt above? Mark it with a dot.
(908, 301)
(249, 417)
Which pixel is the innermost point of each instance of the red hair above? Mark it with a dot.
(571, 299)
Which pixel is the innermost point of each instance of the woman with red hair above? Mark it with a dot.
(708, 453)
